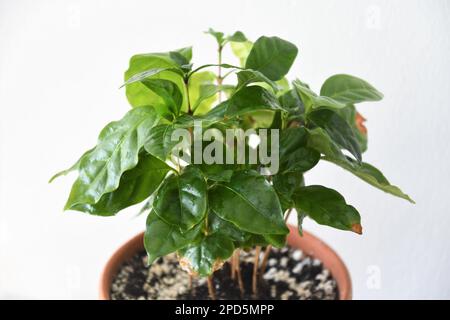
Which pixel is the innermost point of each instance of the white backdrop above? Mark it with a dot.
(61, 63)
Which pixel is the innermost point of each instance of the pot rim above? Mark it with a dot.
(308, 243)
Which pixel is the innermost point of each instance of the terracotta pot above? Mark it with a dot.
(309, 244)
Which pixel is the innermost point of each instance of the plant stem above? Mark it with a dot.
(238, 271)
(255, 272)
(269, 248)
(186, 84)
(233, 266)
(265, 259)
(211, 290)
(219, 74)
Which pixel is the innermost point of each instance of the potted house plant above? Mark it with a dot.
(216, 202)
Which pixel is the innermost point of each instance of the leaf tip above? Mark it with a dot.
(357, 228)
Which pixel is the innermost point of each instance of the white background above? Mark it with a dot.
(61, 63)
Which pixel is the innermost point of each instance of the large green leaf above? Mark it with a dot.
(136, 185)
(169, 92)
(163, 66)
(208, 254)
(249, 202)
(117, 151)
(326, 206)
(251, 99)
(182, 200)
(272, 56)
(161, 238)
(338, 129)
(312, 101)
(371, 175)
(349, 89)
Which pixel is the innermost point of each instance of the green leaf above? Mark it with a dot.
(169, 92)
(277, 240)
(137, 93)
(349, 89)
(251, 99)
(208, 254)
(248, 76)
(196, 82)
(249, 202)
(217, 172)
(326, 206)
(209, 91)
(321, 141)
(159, 142)
(312, 101)
(161, 238)
(219, 36)
(226, 228)
(238, 36)
(349, 113)
(182, 200)
(371, 175)
(74, 167)
(295, 156)
(148, 74)
(117, 151)
(285, 185)
(338, 129)
(136, 185)
(241, 50)
(272, 56)
(291, 101)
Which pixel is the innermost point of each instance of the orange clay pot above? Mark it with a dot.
(309, 244)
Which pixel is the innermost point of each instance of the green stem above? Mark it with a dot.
(219, 75)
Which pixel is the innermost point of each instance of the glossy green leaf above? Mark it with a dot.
(312, 101)
(159, 142)
(321, 141)
(205, 255)
(371, 175)
(326, 206)
(349, 89)
(349, 113)
(74, 167)
(161, 238)
(338, 129)
(285, 185)
(170, 94)
(209, 91)
(219, 225)
(272, 56)
(251, 99)
(249, 202)
(137, 93)
(136, 185)
(217, 172)
(117, 151)
(182, 200)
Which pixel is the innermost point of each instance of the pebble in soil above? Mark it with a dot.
(290, 275)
